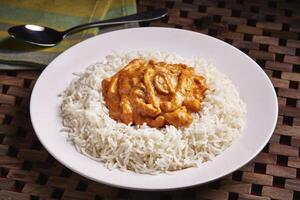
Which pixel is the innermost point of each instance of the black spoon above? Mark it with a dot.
(44, 36)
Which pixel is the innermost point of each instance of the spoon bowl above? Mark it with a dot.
(39, 35)
(45, 36)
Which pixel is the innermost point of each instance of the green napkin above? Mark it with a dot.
(57, 14)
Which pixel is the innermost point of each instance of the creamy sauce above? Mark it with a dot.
(155, 93)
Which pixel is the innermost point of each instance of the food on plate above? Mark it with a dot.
(106, 114)
(155, 93)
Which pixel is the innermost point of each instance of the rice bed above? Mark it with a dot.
(140, 148)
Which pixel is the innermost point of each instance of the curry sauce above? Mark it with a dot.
(155, 93)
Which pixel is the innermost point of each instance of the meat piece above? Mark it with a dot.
(192, 104)
(179, 117)
(146, 109)
(126, 108)
(157, 122)
(175, 103)
(163, 84)
(151, 96)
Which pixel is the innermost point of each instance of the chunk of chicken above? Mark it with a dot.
(179, 117)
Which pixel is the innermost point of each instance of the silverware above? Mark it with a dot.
(45, 36)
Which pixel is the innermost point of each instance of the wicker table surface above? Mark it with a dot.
(268, 31)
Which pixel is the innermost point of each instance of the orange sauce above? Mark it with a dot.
(155, 93)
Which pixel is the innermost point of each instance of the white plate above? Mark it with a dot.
(255, 89)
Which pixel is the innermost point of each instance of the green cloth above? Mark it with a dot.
(57, 14)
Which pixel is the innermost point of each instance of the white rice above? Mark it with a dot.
(144, 149)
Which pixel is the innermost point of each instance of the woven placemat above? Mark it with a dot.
(268, 31)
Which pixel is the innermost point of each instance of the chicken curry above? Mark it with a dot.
(155, 93)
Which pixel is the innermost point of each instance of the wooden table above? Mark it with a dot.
(268, 31)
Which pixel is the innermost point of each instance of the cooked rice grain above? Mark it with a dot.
(144, 149)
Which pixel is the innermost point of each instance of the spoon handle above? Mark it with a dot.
(139, 17)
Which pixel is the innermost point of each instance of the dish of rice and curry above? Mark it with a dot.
(141, 109)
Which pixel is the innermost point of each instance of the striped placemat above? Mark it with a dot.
(57, 14)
